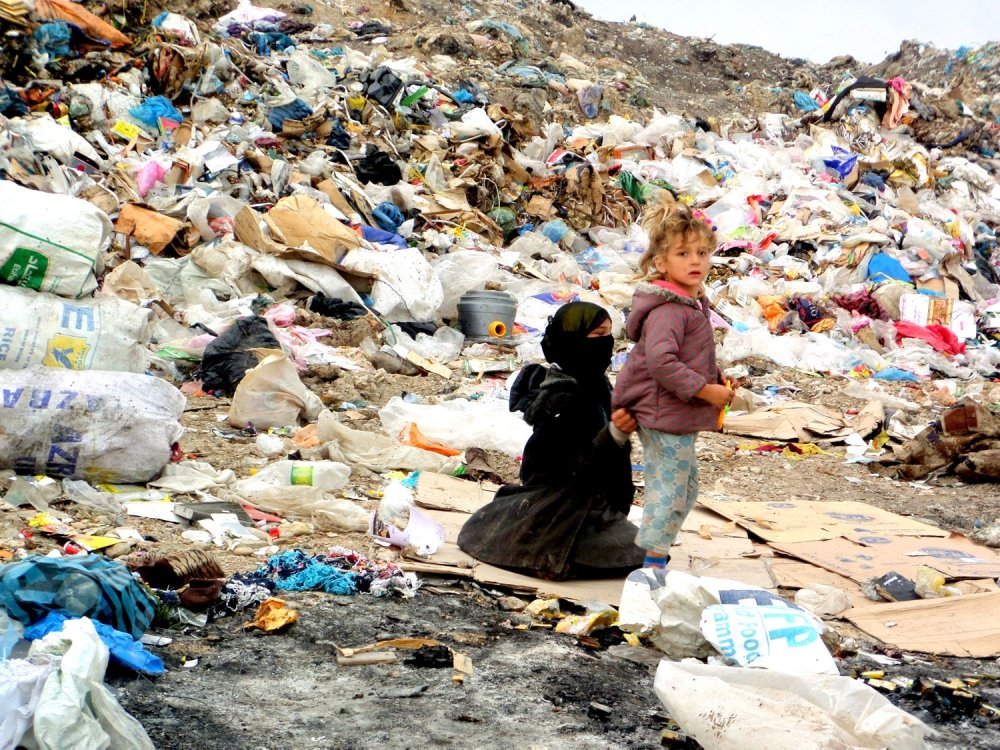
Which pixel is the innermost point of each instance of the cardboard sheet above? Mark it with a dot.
(795, 421)
(955, 557)
(728, 554)
(804, 520)
(953, 626)
(795, 574)
(441, 492)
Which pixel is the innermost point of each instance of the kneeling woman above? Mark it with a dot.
(568, 518)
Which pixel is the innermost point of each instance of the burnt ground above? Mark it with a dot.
(530, 688)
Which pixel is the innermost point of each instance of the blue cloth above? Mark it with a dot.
(388, 216)
(11, 105)
(53, 38)
(122, 648)
(155, 107)
(873, 179)
(884, 267)
(296, 110)
(372, 234)
(85, 586)
(804, 102)
(265, 41)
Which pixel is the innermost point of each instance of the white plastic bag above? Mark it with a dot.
(303, 502)
(104, 333)
(700, 616)
(730, 708)
(377, 452)
(21, 683)
(406, 289)
(51, 243)
(76, 709)
(444, 346)
(460, 424)
(460, 272)
(100, 426)
(271, 395)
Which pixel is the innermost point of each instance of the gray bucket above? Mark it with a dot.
(487, 316)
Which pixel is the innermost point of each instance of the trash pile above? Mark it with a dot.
(252, 209)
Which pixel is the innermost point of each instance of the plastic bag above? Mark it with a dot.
(228, 359)
(782, 711)
(84, 586)
(21, 683)
(63, 257)
(93, 425)
(377, 452)
(460, 272)
(307, 503)
(460, 424)
(271, 395)
(11, 631)
(123, 649)
(103, 333)
(406, 287)
(699, 616)
(74, 701)
(83, 494)
(444, 346)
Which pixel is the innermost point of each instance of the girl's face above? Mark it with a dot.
(685, 263)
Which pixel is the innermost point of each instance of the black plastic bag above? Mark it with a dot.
(378, 167)
(228, 357)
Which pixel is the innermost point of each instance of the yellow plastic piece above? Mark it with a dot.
(498, 329)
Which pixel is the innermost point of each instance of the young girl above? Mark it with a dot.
(671, 384)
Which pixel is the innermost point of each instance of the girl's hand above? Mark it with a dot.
(624, 421)
(717, 395)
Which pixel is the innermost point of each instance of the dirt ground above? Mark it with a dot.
(531, 687)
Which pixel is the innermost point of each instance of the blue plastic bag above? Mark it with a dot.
(463, 97)
(373, 234)
(296, 110)
(88, 586)
(843, 161)
(122, 648)
(53, 38)
(388, 216)
(154, 108)
(804, 102)
(884, 267)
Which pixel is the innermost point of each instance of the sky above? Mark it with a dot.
(816, 30)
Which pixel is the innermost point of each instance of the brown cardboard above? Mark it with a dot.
(955, 557)
(729, 557)
(147, 227)
(963, 626)
(441, 492)
(804, 520)
(300, 219)
(795, 574)
(796, 421)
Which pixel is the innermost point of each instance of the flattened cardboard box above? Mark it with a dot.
(964, 626)
(955, 557)
(806, 520)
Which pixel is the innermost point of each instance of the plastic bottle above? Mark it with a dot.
(326, 475)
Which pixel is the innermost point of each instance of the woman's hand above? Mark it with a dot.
(624, 421)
